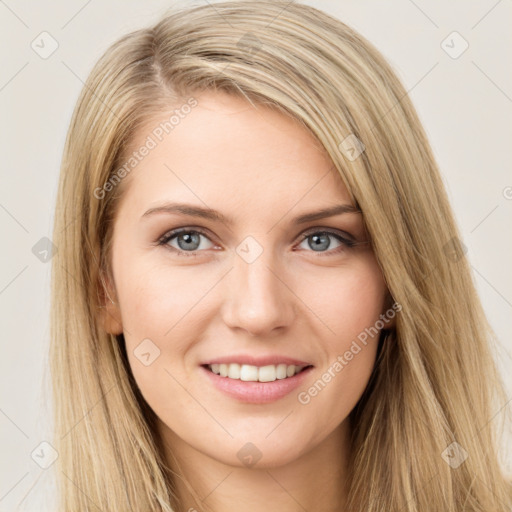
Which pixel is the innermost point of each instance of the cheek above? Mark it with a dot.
(349, 302)
(350, 306)
(164, 312)
(157, 308)
(157, 301)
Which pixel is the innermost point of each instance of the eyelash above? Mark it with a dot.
(346, 243)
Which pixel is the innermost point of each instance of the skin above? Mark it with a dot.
(262, 169)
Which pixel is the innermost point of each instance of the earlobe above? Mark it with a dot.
(111, 319)
(110, 313)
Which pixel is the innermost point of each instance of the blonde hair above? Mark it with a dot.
(434, 382)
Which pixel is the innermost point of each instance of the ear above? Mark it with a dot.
(110, 313)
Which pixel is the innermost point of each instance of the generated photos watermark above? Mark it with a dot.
(156, 136)
(304, 397)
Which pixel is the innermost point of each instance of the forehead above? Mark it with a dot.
(227, 154)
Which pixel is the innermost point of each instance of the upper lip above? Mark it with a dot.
(257, 360)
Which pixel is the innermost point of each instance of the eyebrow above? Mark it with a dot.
(211, 214)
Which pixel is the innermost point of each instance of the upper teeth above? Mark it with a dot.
(248, 372)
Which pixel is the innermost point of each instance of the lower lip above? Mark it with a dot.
(257, 392)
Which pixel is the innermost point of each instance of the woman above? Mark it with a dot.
(260, 297)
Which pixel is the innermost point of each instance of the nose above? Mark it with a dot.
(259, 300)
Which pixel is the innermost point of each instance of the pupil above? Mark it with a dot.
(320, 242)
(189, 238)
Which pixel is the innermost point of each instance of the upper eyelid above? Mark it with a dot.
(339, 232)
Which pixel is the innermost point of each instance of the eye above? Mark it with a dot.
(188, 241)
(320, 241)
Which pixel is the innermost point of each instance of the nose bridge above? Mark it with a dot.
(258, 301)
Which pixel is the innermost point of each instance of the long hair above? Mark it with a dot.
(434, 388)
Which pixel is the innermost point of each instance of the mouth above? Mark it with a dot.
(250, 373)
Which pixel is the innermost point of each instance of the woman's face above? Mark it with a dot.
(263, 287)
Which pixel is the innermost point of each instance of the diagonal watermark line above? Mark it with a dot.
(1, 410)
(165, 165)
(285, 490)
(69, 223)
(300, 199)
(14, 218)
(19, 481)
(72, 276)
(88, 497)
(34, 483)
(404, 95)
(424, 14)
(12, 12)
(280, 12)
(491, 80)
(14, 76)
(505, 506)
(488, 215)
(300, 300)
(75, 15)
(215, 488)
(497, 291)
(88, 412)
(12, 280)
(485, 15)
(198, 301)
(92, 92)
(502, 347)
(279, 423)
(199, 403)
(494, 416)
(227, 21)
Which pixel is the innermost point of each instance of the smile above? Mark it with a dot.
(250, 373)
(256, 384)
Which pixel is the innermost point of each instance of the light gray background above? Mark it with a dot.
(465, 105)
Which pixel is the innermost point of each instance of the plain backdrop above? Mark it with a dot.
(464, 99)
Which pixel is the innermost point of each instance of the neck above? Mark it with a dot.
(313, 481)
